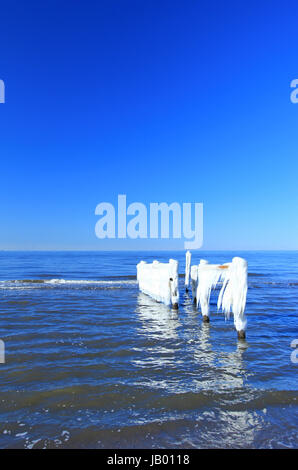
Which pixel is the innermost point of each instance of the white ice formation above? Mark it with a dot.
(194, 281)
(160, 281)
(187, 268)
(232, 296)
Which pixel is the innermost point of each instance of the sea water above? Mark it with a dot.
(90, 362)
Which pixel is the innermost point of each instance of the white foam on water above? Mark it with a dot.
(82, 281)
(40, 283)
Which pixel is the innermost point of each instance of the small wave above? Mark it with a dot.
(256, 274)
(100, 282)
(23, 281)
(31, 283)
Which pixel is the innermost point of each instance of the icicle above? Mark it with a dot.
(174, 282)
(232, 296)
(187, 269)
(208, 276)
(160, 281)
(194, 282)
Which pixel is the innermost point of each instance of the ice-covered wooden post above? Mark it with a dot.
(232, 296)
(160, 281)
(194, 282)
(204, 286)
(187, 269)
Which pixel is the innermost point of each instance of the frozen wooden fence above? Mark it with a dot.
(160, 281)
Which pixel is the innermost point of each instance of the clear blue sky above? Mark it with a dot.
(161, 100)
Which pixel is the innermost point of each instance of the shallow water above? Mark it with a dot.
(91, 362)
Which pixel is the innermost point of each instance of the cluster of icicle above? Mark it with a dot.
(159, 281)
(232, 296)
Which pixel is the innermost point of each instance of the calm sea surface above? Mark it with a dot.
(93, 363)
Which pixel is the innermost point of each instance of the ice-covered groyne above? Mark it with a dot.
(232, 295)
(160, 281)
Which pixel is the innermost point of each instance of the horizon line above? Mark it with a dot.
(142, 250)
